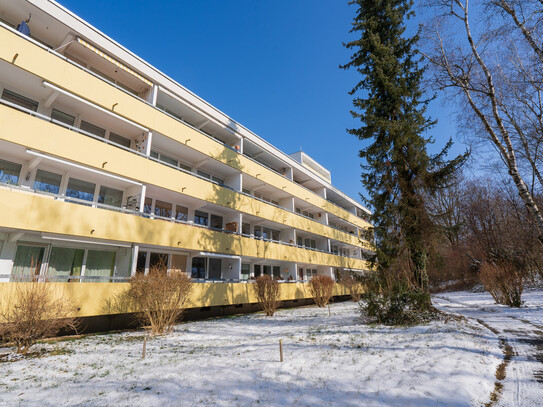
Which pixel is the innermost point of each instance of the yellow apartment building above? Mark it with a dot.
(108, 167)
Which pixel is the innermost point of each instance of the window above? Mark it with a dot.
(200, 218)
(217, 180)
(245, 228)
(257, 270)
(246, 191)
(216, 221)
(154, 154)
(299, 241)
(64, 262)
(310, 243)
(198, 267)
(245, 270)
(179, 263)
(276, 272)
(215, 269)
(92, 129)
(27, 262)
(140, 264)
(168, 160)
(258, 232)
(20, 100)
(158, 262)
(268, 270)
(123, 141)
(203, 174)
(62, 117)
(148, 205)
(110, 196)
(185, 167)
(100, 263)
(163, 209)
(47, 181)
(80, 189)
(9, 172)
(181, 213)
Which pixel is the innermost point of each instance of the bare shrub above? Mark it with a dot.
(33, 311)
(504, 282)
(352, 285)
(321, 288)
(159, 297)
(267, 293)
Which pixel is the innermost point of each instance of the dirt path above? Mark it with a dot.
(521, 381)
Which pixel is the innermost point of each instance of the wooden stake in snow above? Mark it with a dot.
(329, 309)
(281, 349)
(144, 346)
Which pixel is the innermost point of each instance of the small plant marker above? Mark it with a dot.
(281, 349)
(144, 346)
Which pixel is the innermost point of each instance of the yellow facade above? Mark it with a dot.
(135, 208)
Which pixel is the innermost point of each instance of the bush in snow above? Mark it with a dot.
(159, 297)
(34, 310)
(504, 282)
(267, 292)
(321, 288)
(352, 285)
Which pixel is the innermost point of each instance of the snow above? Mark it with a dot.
(329, 360)
(521, 328)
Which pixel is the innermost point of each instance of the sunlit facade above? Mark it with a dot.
(109, 168)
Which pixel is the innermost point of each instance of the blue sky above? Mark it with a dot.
(270, 65)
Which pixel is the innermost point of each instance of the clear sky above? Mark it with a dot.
(270, 65)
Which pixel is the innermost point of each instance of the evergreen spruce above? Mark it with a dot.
(397, 171)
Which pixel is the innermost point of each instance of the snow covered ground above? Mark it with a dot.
(329, 361)
(520, 328)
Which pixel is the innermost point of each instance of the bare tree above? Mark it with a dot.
(495, 70)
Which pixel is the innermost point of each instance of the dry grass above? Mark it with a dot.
(33, 311)
(159, 298)
(267, 293)
(321, 288)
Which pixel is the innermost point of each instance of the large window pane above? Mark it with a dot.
(65, 262)
(100, 263)
(63, 117)
(198, 267)
(158, 262)
(119, 140)
(276, 272)
(80, 189)
(19, 100)
(140, 265)
(163, 209)
(245, 270)
(216, 221)
(168, 160)
(92, 129)
(215, 269)
(9, 172)
(47, 181)
(27, 262)
(147, 205)
(110, 196)
(179, 263)
(181, 213)
(200, 218)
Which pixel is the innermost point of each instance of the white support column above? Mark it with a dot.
(135, 251)
(142, 198)
(153, 95)
(148, 139)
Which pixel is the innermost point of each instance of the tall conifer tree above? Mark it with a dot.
(397, 170)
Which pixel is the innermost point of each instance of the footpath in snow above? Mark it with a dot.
(329, 361)
(520, 328)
